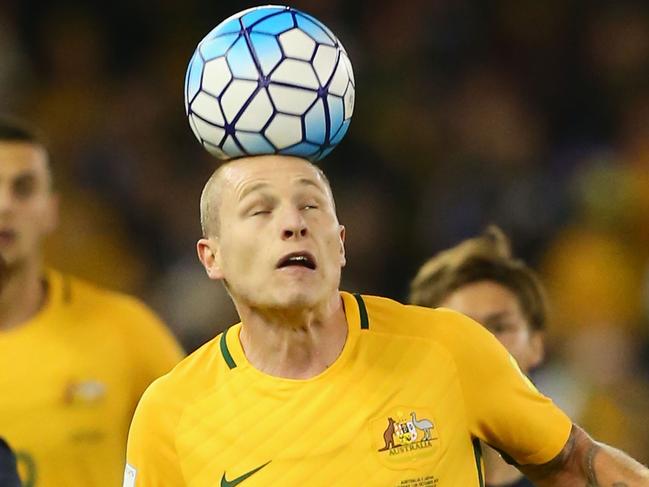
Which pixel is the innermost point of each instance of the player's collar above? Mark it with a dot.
(357, 319)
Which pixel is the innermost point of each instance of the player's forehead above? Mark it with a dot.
(248, 176)
(485, 298)
(485, 292)
(21, 159)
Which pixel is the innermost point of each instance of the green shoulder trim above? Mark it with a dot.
(477, 452)
(225, 352)
(362, 310)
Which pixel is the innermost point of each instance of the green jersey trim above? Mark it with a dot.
(477, 452)
(225, 352)
(362, 311)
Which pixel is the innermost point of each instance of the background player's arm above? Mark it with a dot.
(586, 462)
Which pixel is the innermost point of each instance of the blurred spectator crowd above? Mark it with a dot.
(531, 115)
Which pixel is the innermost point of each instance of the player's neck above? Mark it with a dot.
(22, 294)
(297, 345)
(498, 471)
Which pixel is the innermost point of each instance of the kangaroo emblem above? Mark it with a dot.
(423, 424)
(388, 435)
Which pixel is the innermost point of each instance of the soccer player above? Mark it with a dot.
(74, 358)
(320, 387)
(8, 472)
(480, 278)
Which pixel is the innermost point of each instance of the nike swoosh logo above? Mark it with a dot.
(238, 480)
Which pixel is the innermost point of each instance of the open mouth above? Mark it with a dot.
(301, 259)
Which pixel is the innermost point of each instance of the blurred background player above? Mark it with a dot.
(74, 358)
(480, 278)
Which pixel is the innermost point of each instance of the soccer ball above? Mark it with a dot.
(269, 80)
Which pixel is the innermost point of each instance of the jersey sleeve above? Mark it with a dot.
(504, 408)
(154, 350)
(151, 459)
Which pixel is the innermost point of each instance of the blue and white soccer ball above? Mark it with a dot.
(270, 80)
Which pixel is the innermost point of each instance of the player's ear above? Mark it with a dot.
(343, 260)
(210, 256)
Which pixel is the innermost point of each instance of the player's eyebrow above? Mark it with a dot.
(23, 177)
(496, 317)
(309, 182)
(251, 189)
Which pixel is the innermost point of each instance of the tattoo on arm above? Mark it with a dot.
(577, 460)
(593, 450)
(590, 465)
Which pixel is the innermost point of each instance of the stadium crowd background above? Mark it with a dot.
(532, 115)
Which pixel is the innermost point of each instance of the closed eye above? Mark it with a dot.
(498, 328)
(260, 212)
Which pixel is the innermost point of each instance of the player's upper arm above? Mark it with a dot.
(151, 454)
(504, 408)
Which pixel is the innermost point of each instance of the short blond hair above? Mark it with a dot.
(210, 203)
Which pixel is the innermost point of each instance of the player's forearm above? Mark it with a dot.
(606, 466)
(584, 462)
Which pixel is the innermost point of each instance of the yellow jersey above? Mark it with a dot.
(70, 379)
(403, 405)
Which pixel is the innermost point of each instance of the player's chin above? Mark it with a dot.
(303, 290)
(297, 297)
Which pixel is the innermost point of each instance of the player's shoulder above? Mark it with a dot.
(389, 316)
(75, 293)
(197, 373)
(447, 327)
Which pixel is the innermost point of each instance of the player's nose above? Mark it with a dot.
(293, 224)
